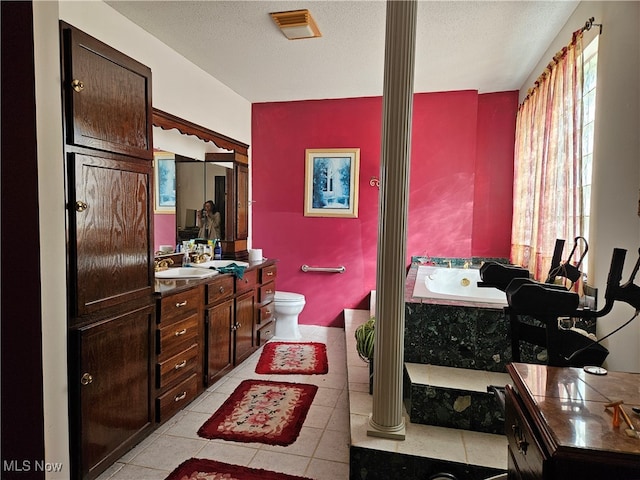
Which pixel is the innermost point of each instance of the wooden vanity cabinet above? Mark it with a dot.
(107, 125)
(557, 426)
(219, 321)
(179, 351)
(265, 319)
(245, 313)
(109, 387)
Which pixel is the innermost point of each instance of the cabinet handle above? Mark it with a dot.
(269, 274)
(267, 311)
(180, 332)
(77, 85)
(180, 365)
(518, 435)
(86, 379)
(221, 289)
(269, 292)
(180, 396)
(81, 206)
(181, 304)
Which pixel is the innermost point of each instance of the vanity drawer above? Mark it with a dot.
(265, 313)
(248, 281)
(177, 366)
(176, 398)
(179, 335)
(268, 274)
(524, 449)
(219, 289)
(267, 292)
(265, 333)
(176, 306)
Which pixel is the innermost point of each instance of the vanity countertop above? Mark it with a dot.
(169, 286)
(568, 406)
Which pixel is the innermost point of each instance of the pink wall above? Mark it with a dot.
(493, 207)
(164, 230)
(460, 189)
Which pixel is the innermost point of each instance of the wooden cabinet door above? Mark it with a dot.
(245, 313)
(107, 97)
(110, 232)
(220, 320)
(113, 379)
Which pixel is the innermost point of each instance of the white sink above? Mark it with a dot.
(186, 272)
(221, 263)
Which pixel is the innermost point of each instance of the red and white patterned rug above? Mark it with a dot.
(293, 358)
(202, 469)
(261, 411)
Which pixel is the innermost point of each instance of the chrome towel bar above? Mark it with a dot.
(307, 268)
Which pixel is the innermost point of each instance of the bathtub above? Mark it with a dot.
(458, 284)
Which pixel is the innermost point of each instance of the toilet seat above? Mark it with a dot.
(288, 297)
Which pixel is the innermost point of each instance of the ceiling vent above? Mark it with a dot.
(296, 24)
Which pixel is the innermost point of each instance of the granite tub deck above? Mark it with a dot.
(454, 350)
(426, 450)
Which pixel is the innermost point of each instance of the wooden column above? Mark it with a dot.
(386, 419)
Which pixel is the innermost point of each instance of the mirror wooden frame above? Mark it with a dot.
(234, 246)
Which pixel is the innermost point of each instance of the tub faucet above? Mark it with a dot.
(466, 265)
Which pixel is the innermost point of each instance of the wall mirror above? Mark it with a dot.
(196, 182)
(208, 166)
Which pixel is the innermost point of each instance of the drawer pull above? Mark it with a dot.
(180, 332)
(267, 311)
(521, 443)
(180, 396)
(181, 304)
(221, 289)
(180, 365)
(269, 292)
(269, 274)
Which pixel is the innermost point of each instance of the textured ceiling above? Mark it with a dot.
(485, 46)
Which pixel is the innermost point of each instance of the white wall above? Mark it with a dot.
(616, 167)
(178, 87)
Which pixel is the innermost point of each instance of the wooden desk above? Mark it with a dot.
(557, 426)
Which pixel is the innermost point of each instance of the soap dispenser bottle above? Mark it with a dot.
(217, 251)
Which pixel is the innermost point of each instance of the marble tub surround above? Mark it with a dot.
(453, 397)
(426, 450)
(471, 262)
(457, 336)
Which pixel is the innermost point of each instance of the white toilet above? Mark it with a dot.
(288, 307)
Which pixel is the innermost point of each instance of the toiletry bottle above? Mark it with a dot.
(186, 260)
(217, 251)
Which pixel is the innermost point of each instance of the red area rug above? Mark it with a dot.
(201, 469)
(289, 358)
(261, 411)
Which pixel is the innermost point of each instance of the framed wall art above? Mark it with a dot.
(164, 182)
(331, 182)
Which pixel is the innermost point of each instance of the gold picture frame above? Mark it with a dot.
(164, 182)
(331, 182)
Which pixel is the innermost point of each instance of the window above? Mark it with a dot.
(589, 66)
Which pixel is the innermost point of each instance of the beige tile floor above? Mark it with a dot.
(337, 419)
(321, 451)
